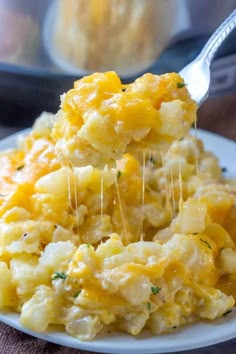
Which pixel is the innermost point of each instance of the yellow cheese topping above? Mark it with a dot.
(104, 223)
(101, 119)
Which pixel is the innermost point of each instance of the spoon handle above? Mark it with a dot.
(214, 42)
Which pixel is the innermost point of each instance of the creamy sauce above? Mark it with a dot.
(172, 191)
(75, 198)
(180, 180)
(227, 286)
(120, 204)
(167, 187)
(72, 192)
(102, 195)
(143, 194)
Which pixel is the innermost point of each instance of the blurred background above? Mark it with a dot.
(45, 45)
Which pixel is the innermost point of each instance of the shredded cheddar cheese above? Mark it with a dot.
(104, 221)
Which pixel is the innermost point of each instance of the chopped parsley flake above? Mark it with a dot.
(77, 293)
(149, 306)
(180, 84)
(59, 275)
(119, 173)
(88, 245)
(20, 167)
(155, 290)
(227, 312)
(207, 243)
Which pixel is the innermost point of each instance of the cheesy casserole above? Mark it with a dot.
(112, 217)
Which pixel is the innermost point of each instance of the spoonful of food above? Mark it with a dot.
(197, 74)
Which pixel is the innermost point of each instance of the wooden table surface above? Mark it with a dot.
(217, 115)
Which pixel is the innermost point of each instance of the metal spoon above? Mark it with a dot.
(197, 74)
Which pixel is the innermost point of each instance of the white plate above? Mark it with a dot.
(189, 337)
